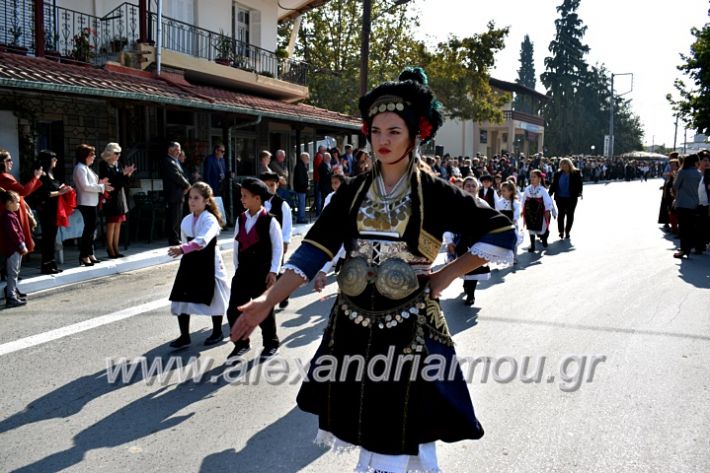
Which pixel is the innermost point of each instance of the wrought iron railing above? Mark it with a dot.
(17, 25)
(72, 35)
(84, 38)
(188, 39)
(522, 116)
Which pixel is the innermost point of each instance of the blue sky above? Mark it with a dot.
(639, 36)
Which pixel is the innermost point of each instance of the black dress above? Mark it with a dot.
(47, 208)
(393, 416)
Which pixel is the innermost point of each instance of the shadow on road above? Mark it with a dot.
(145, 416)
(282, 447)
(312, 318)
(696, 271)
(631, 331)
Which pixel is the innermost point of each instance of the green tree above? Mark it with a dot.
(329, 40)
(526, 73)
(694, 104)
(459, 74)
(563, 77)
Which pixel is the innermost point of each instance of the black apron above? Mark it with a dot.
(195, 277)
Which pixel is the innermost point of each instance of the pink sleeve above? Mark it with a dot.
(190, 247)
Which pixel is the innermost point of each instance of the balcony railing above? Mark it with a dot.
(198, 42)
(83, 38)
(73, 36)
(524, 117)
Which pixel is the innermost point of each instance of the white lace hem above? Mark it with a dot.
(296, 270)
(494, 254)
(371, 462)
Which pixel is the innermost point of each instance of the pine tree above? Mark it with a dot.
(526, 73)
(563, 78)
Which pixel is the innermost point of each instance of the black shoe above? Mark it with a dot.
(14, 303)
(94, 259)
(214, 339)
(50, 271)
(84, 263)
(21, 295)
(236, 354)
(470, 300)
(544, 243)
(268, 352)
(283, 304)
(181, 342)
(567, 236)
(561, 235)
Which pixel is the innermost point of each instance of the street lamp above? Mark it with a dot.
(593, 148)
(611, 109)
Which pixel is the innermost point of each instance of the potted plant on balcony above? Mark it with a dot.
(15, 46)
(224, 47)
(82, 47)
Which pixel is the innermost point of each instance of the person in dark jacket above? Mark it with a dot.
(12, 245)
(566, 188)
(48, 202)
(686, 186)
(300, 185)
(115, 207)
(175, 186)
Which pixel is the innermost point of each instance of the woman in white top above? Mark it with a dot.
(88, 189)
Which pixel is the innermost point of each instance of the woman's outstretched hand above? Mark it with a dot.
(253, 313)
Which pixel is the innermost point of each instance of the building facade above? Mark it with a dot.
(203, 73)
(522, 131)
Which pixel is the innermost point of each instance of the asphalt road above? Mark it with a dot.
(612, 298)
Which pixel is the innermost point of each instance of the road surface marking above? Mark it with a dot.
(45, 337)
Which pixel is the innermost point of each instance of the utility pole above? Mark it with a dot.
(611, 109)
(675, 134)
(365, 40)
(365, 44)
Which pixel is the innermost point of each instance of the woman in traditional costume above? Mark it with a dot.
(391, 221)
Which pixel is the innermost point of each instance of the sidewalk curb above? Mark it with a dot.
(108, 267)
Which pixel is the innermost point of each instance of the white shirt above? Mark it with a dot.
(536, 192)
(702, 193)
(87, 185)
(287, 223)
(277, 246)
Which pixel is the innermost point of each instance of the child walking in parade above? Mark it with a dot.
(13, 246)
(280, 209)
(486, 191)
(537, 206)
(201, 286)
(456, 245)
(258, 250)
(509, 205)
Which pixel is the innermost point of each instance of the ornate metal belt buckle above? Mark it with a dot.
(396, 279)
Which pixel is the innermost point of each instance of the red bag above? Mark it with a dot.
(65, 206)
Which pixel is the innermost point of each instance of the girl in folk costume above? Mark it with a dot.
(509, 205)
(537, 206)
(456, 246)
(201, 286)
(391, 221)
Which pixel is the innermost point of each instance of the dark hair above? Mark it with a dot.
(44, 159)
(409, 97)
(339, 177)
(8, 196)
(83, 151)
(4, 154)
(690, 161)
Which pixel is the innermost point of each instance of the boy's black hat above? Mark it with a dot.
(269, 176)
(257, 187)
